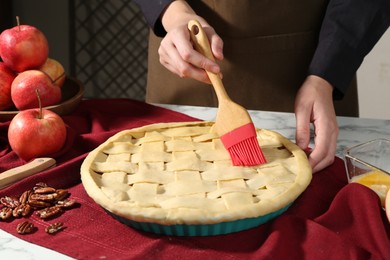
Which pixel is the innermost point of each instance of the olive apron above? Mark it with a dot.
(266, 56)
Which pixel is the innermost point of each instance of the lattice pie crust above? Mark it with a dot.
(180, 173)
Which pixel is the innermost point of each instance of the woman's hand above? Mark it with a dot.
(176, 50)
(314, 104)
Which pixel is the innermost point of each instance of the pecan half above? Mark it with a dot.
(50, 197)
(67, 203)
(44, 190)
(5, 213)
(61, 194)
(21, 211)
(10, 202)
(40, 185)
(49, 212)
(23, 199)
(25, 228)
(54, 228)
(38, 203)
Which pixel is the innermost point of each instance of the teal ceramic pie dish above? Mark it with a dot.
(222, 228)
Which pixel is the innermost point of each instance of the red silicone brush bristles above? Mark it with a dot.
(243, 147)
(247, 153)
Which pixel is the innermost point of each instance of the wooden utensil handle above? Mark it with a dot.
(30, 168)
(202, 45)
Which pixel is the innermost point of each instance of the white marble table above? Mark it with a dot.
(352, 132)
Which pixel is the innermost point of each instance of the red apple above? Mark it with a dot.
(36, 132)
(55, 70)
(23, 47)
(24, 86)
(6, 78)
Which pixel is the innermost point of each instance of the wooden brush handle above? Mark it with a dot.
(202, 45)
(30, 168)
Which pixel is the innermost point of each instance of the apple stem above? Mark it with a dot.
(39, 103)
(18, 22)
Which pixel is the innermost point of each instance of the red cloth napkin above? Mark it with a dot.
(330, 220)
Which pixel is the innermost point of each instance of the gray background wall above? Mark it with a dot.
(101, 43)
(52, 18)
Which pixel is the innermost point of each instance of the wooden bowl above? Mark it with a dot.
(72, 93)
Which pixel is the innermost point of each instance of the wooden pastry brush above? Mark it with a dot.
(233, 123)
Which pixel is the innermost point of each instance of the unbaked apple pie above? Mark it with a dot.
(177, 178)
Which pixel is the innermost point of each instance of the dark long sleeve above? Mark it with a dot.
(152, 10)
(349, 31)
